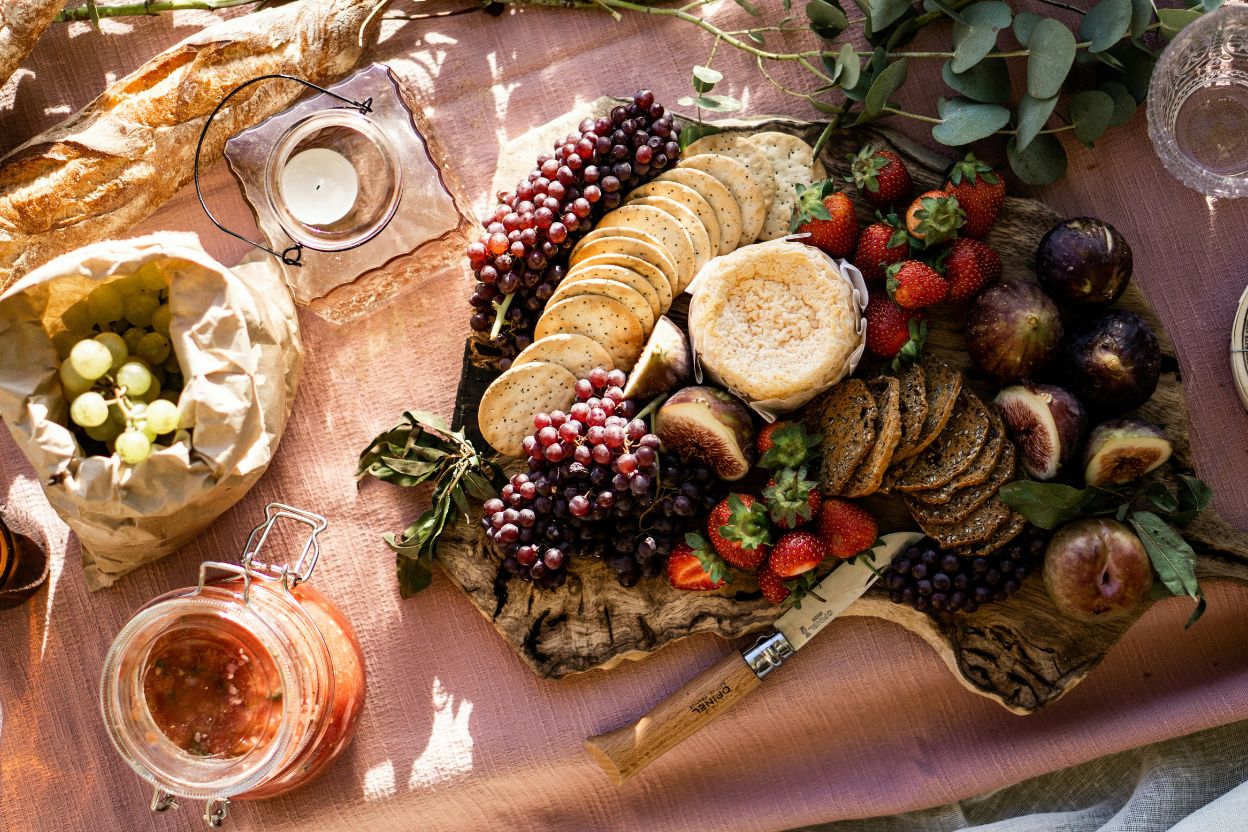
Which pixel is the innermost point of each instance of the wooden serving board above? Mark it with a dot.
(1022, 653)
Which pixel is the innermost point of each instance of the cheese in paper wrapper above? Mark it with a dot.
(828, 369)
(236, 337)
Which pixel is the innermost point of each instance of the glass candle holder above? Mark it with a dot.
(1198, 103)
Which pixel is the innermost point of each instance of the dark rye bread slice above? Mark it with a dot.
(953, 451)
(942, 384)
(1001, 538)
(866, 479)
(977, 527)
(984, 466)
(845, 416)
(968, 499)
(913, 408)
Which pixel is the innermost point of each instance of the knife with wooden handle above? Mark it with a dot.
(624, 752)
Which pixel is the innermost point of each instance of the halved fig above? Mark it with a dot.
(1123, 450)
(664, 363)
(1046, 423)
(710, 425)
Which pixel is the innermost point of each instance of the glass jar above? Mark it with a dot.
(245, 686)
(23, 568)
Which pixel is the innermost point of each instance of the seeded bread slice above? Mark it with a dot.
(846, 417)
(942, 384)
(978, 527)
(1001, 538)
(953, 451)
(865, 480)
(967, 500)
(913, 408)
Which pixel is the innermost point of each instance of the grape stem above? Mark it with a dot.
(92, 11)
(652, 406)
(500, 315)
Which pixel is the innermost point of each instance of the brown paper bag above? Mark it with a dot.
(237, 339)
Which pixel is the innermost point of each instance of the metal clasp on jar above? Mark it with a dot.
(250, 566)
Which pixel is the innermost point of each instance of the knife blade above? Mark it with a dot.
(624, 752)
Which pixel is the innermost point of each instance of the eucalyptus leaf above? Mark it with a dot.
(694, 131)
(1124, 104)
(1032, 115)
(1091, 111)
(749, 7)
(966, 121)
(826, 19)
(1138, 69)
(1173, 20)
(1052, 46)
(849, 65)
(1024, 22)
(1108, 59)
(826, 107)
(1046, 504)
(718, 103)
(1141, 17)
(886, 12)
(945, 9)
(884, 85)
(977, 36)
(1043, 162)
(705, 78)
(1211, 5)
(987, 81)
(1172, 557)
(1105, 24)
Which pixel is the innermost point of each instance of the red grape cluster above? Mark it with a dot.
(520, 255)
(933, 581)
(595, 487)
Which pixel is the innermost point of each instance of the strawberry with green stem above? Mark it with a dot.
(880, 176)
(694, 566)
(739, 531)
(980, 193)
(846, 528)
(791, 498)
(880, 245)
(827, 215)
(892, 332)
(934, 217)
(785, 445)
(970, 266)
(912, 284)
(796, 553)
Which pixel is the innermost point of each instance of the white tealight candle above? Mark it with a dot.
(319, 186)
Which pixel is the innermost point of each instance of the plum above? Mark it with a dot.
(1013, 331)
(1113, 362)
(1123, 450)
(1084, 262)
(1096, 569)
(1046, 423)
(708, 424)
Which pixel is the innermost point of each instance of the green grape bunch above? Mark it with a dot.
(118, 368)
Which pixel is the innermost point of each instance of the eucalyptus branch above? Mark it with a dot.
(1060, 5)
(90, 11)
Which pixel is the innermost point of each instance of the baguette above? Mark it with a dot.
(21, 24)
(111, 165)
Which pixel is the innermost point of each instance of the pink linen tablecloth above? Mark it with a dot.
(458, 733)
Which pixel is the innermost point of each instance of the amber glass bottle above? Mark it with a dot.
(23, 568)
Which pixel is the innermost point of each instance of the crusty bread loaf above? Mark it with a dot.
(21, 24)
(113, 163)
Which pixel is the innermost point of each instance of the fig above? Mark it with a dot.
(1123, 450)
(1046, 423)
(1084, 262)
(709, 425)
(1113, 362)
(1013, 331)
(664, 363)
(1096, 569)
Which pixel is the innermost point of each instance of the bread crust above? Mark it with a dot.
(22, 23)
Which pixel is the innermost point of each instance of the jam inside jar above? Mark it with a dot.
(243, 687)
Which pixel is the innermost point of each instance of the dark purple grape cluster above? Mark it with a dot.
(521, 254)
(931, 580)
(600, 485)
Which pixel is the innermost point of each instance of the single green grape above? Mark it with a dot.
(77, 318)
(151, 393)
(129, 285)
(105, 304)
(90, 359)
(153, 347)
(132, 336)
(133, 447)
(170, 395)
(153, 277)
(134, 377)
(171, 364)
(89, 410)
(107, 432)
(162, 416)
(64, 342)
(161, 319)
(140, 308)
(117, 346)
(72, 383)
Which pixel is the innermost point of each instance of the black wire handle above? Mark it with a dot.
(292, 256)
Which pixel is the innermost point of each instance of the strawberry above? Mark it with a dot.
(845, 528)
(980, 193)
(934, 217)
(739, 532)
(795, 553)
(893, 332)
(791, 498)
(913, 284)
(785, 445)
(693, 566)
(970, 267)
(880, 175)
(828, 216)
(772, 586)
(880, 245)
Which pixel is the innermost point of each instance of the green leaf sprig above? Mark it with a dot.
(424, 449)
(1152, 510)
